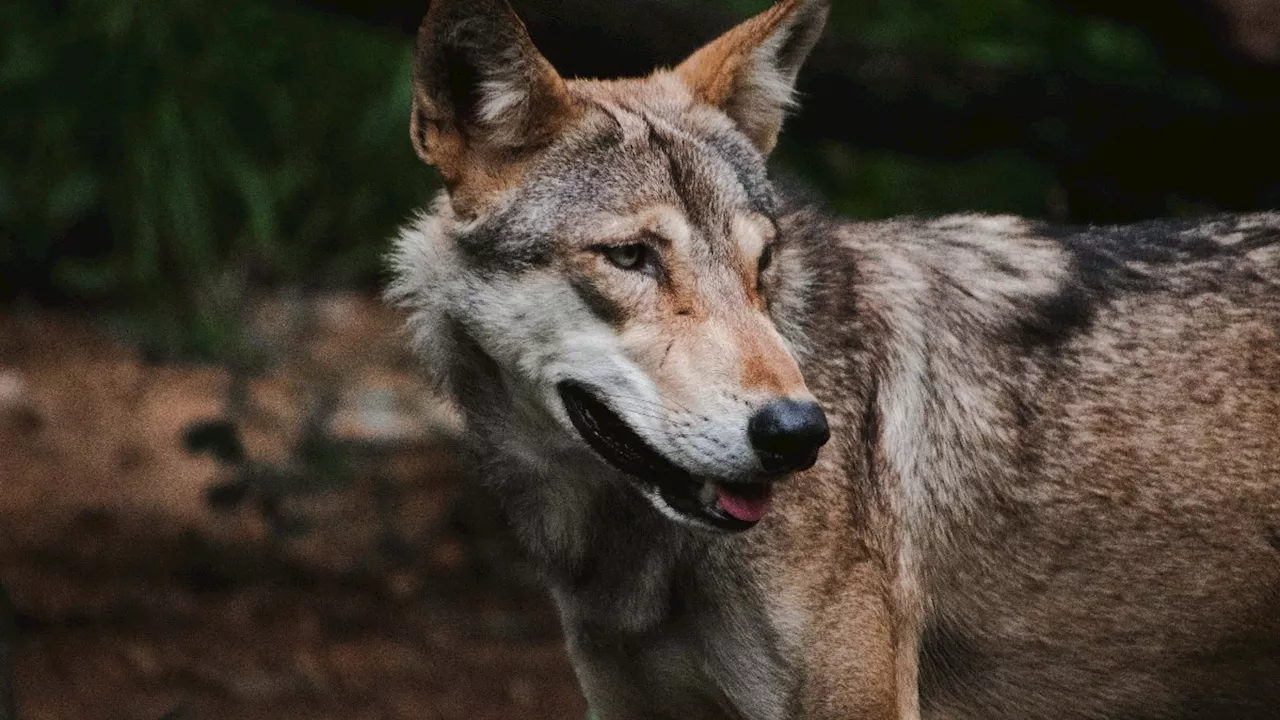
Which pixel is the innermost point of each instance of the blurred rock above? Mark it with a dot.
(377, 416)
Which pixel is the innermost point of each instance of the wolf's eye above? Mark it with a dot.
(628, 257)
(766, 260)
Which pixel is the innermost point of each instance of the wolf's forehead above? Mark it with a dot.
(622, 160)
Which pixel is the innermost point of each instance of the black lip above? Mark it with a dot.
(613, 440)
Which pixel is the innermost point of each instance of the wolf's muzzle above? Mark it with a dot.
(710, 502)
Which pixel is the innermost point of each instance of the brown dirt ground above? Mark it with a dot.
(137, 602)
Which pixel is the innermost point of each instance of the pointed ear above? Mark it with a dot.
(482, 91)
(750, 71)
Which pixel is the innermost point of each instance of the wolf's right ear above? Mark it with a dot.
(750, 72)
(482, 91)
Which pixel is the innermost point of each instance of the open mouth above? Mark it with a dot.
(720, 504)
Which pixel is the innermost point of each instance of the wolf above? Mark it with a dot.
(774, 464)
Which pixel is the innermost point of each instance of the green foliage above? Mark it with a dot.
(160, 153)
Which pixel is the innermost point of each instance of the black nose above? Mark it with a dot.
(787, 434)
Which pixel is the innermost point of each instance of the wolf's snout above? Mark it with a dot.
(787, 434)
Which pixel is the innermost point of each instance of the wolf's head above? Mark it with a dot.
(612, 251)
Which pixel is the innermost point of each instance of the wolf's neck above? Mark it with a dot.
(596, 539)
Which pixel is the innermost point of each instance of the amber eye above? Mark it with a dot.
(628, 257)
(766, 259)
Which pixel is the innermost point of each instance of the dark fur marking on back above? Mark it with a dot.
(1158, 242)
(943, 278)
(1273, 536)
(1097, 273)
(1107, 261)
(1057, 318)
(1257, 239)
(1000, 263)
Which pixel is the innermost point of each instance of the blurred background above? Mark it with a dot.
(225, 491)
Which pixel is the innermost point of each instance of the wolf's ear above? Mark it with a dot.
(750, 71)
(482, 91)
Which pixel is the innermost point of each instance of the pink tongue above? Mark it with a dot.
(741, 508)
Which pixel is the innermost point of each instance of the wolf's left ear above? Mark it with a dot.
(750, 71)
